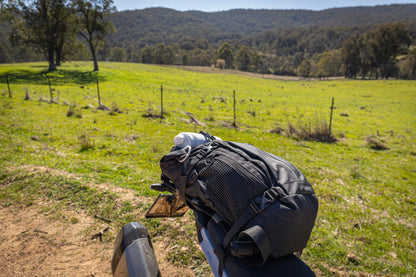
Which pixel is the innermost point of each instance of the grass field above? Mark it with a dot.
(367, 217)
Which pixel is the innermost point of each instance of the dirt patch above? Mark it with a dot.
(33, 243)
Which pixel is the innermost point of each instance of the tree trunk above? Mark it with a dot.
(51, 59)
(58, 58)
(94, 56)
(58, 51)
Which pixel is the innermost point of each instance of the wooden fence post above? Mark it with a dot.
(330, 118)
(98, 93)
(161, 103)
(8, 85)
(234, 123)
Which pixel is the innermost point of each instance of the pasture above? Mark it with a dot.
(367, 217)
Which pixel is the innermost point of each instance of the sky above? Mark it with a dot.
(223, 5)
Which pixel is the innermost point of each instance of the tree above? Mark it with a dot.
(185, 59)
(186, 43)
(5, 56)
(199, 57)
(329, 64)
(118, 54)
(350, 54)
(65, 39)
(147, 54)
(202, 44)
(93, 22)
(298, 59)
(257, 63)
(226, 53)
(384, 44)
(169, 57)
(158, 54)
(43, 25)
(305, 68)
(243, 59)
(412, 62)
(408, 65)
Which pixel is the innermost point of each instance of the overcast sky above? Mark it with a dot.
(223, 5)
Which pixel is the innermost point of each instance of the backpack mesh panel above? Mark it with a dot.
(233, 193)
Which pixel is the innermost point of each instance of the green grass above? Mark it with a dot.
(367, 203)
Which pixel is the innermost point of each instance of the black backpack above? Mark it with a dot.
(264, 203)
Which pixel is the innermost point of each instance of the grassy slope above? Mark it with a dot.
(367, 217)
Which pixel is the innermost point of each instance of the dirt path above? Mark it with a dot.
(32, 243)
(208, 69)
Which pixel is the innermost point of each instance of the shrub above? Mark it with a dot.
(85, 143)
(114, 109)
(73, 111)
(375, 143)
(320, 132)
(277, 130)
(151, 113)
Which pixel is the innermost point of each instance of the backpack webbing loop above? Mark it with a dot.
(250, 242)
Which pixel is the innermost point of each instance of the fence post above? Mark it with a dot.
(98, 93)
(234, 123)
(50, 88)
(161, 103)
(330, 118)
(8, 85)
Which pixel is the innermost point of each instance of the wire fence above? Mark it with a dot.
(208, 104)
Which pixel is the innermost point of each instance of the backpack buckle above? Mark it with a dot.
(256, 206)
(263, 202)
(271, 194)
(193, 175)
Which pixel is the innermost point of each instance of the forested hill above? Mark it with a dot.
(162, 25)
(155, 25)
(250, 22)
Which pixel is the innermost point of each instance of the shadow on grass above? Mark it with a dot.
(59, 77)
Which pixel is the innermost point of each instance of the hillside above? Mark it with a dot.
(155, 25)
(250, 22)
(161, 25)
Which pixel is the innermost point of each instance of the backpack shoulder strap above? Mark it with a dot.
(257, 206)
(258, 235)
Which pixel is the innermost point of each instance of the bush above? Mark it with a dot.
(320, 132)
(151, 113)
(73, 111)
(114, 109)
(85, 143)
(375, 143)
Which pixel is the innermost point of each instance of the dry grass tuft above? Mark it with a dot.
(320, 132)
(375, 143)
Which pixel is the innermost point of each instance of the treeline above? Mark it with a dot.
(165, 36)
(382, 52)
